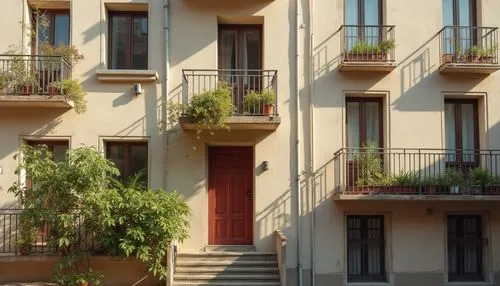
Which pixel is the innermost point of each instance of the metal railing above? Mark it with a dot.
(370, 43)
(459, 44)
(20, 236)
(416, 171)
(32, 74)
(264, 83)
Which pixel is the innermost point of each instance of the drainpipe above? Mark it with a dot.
(311, 141)
(166, 14)
(297, 154)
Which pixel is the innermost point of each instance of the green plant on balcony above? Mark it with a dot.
(364, 51)
(5, 80)
(21, 72)
(72, 90)
(477, 180)
(69, 53)
(27, 234)
(209, 109)
(369, 166)
(260, 102)
(452, 179)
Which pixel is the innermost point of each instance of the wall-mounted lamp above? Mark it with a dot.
(429, 211)
(137, 89)
(265, 165)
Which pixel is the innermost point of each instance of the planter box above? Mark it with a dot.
(53, 90)
(267, 109)
(492, 190)
(367, 190)
(451, 58)
(26, 89)
(473, 190)
(350, 57)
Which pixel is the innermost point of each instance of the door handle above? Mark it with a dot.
(249, 194)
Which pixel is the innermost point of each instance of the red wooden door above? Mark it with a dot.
(230, 196)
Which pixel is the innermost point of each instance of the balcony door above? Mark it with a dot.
(240, 59)
(461, 133)
(461, 14)
(363, 19)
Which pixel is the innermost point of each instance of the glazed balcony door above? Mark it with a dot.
(240, 50)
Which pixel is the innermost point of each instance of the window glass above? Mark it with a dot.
(61, 29)
(140, 43)
(130, 158)
(448, 12)
(119, 43)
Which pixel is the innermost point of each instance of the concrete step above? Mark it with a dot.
(223, 255)
(232, 283)
(227, 269)
(181, 263)
(226, 277)
(230, 248)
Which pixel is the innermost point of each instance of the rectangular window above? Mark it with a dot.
(459, 13)
(53, 27)
(365, 248)
(364, 18)
(130, 158)
(461, 132)
(364, 121)
(128, 40)
(465, 248)
(57, 147)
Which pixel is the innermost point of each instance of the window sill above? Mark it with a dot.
(126, 75)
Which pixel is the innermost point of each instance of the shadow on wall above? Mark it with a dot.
(493, 136)
(422, 83)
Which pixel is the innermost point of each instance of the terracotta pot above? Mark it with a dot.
(84, 284)
(431, 189)
(267, 109)
(404, 190)
(52, 90)
(351, 57)
(26, 89)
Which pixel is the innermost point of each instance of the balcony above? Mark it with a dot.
(248, 114)
(416, 174)
(367, 48)
(468, 50)
(27, 81)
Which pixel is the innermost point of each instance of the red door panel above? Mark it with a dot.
(230, 195)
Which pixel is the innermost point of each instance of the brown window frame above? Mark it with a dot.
(361, 12)
(364, 241)
(130, 33)
(458, 240)
(362, 115)
(127, 159)
(239, 39)
(52, 14)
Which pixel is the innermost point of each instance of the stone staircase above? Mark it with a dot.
(226, 268)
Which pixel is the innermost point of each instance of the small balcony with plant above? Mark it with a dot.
(468, 50)
(367, 48)
(227, 99)
(372, 173)
(41, 80)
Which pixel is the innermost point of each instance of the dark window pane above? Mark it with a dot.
(120, 42)
(227, 49)
(61, 29)
(139, 160)
(140, 43)
(372, 12)
(116, 153)
(448, 12)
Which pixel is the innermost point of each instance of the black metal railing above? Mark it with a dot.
(370, 43)
(254, 92)
(417, 171)
(459, 44)
(32, 74)
(21, 236)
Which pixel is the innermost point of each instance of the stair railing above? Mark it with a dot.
(280, 244)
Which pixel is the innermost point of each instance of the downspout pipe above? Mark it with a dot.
(311, 142)
(297, 148)
(166, 28)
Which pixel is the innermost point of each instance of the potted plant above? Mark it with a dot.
(477, 180)
(478, 54)
(363, 51)
(267, 97)
(431, 185)
(368, 165)
(452, 179)
(405, 183)
(252, 103)
(23, 76)
(72, 90)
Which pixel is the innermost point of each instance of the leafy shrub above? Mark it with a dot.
(369, 164)
(73, 90)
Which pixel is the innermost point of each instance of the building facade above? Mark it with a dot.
(378, 162)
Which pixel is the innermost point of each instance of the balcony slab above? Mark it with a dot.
(352, 66)
(474, 68)
(374, 197)
(44, 101)
(240, 123)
